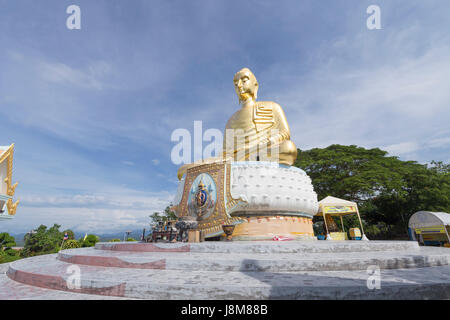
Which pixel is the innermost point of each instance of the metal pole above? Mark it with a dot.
(62, 243)
(342, 224)
(325, 220)
(445, 228)
(360, 222)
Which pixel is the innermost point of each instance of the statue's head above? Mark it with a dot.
(245, 85)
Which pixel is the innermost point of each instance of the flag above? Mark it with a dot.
(85, 237)
(66, 236)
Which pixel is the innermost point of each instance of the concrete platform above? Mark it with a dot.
(269, 262)
(240, 270)
(262, 246)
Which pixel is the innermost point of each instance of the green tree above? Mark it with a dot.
(387, 190)
(424, 188)
(6, 241)
(351, 172)
(155, 218)
(42, 241)
(90, 240)
(171, 215)
(167, 215)
(7, 253)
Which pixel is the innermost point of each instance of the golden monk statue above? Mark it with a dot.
(257, 126)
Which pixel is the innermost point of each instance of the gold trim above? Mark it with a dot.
(213, 223)
(10, 188)
(8, 155)
(12, 206)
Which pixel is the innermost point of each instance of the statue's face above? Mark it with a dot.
(245, 85)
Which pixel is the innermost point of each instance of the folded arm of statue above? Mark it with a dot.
(278, 148)
(276, 139)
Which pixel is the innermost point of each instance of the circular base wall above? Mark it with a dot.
(267, 227)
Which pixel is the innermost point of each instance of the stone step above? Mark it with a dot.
(13, 290)
(268, 262)
(48, 272)
(262, 246)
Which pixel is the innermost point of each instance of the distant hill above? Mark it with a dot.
(135, 234)
(19, 239)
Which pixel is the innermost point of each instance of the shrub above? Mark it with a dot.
(71, 244)
(90, 241)
(6, 241)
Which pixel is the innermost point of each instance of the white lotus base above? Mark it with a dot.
(269, 188)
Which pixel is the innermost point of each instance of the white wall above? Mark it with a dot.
(3, 175)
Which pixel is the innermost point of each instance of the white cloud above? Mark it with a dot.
(439, 143)
(402, 148)
(63, 100)
(93, 220)
(62, 74)
(400, 102)
(98, 213)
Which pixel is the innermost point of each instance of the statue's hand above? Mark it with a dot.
(273, 140)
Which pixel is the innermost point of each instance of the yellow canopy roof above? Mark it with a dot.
(336, 207)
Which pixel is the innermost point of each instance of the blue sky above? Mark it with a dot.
(91, 111)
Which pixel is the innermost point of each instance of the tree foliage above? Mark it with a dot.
(6, 241)
(71, 244)
(42, 241)
(387, 190)
(7, 253)
(167, 215)
(90, 241)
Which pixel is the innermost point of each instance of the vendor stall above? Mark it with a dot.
(430, 228)
(331, 206)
